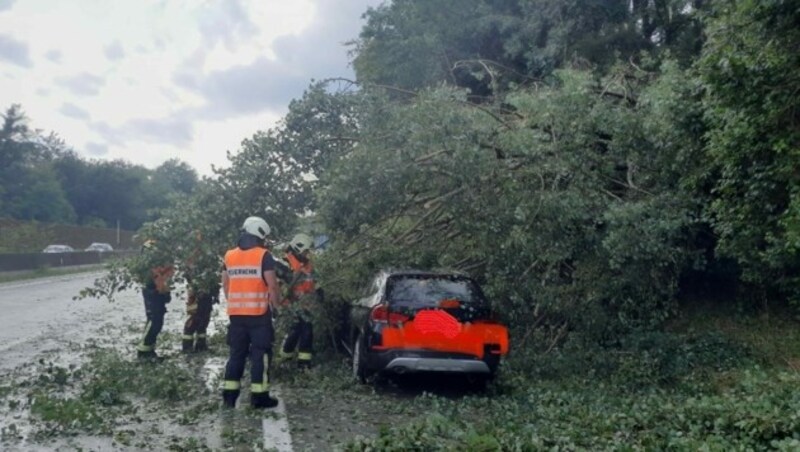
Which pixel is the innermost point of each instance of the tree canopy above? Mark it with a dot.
(591, 163)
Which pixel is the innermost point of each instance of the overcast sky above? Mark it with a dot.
(149, 80)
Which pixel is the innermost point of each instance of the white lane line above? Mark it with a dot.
(212, 372)
(276, 426)
(275, 423)
(12, 344)
(49, 280)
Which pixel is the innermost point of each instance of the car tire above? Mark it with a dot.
(359, 360)
(493, 362)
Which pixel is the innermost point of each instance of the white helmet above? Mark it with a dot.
(302, 242)
(256, 226)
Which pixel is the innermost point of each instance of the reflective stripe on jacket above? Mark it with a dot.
(248, 293)
(302, 278)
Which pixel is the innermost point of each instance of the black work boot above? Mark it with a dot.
(262, 400)
(186, 346)
(200, 345)
(149, 355)
(229, 397)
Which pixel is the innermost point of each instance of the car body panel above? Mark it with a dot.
(469, 338)
(100, 247)
(410, 360)
(411, 364)
(58, 249)
(430, 336)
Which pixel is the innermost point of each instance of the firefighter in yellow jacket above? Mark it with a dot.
(301, 296)
(250, 287)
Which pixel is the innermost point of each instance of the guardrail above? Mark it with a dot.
(34, 261)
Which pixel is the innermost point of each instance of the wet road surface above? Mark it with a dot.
(41, 321)
(40, 314)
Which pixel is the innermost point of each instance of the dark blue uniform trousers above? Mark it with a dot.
(249, 336)
(155, 306)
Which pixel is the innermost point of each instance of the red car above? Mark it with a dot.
(415, 321)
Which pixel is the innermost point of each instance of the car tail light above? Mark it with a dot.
(381, 313)
(450, 303)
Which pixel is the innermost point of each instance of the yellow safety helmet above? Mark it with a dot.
(302, 242)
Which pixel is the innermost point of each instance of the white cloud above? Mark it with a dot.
(14, 51)
(53, 55)
(73, 111)
(84, 84)
(96, 149)
(155, 79)
(114, 51)
(241, 90)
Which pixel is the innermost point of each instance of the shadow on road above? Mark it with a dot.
(452, 386)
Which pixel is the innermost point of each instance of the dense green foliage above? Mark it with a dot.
(29, 188)
(43, 180)
(599, 167)
(589, 171)
(750, 68)
(542, 205)
(755, 413)
(491, 46)
(614, 166)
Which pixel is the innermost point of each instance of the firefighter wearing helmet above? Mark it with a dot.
(251, 289)
(301, 294)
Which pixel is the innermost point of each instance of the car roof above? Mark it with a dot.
(427, 273)
(59, 248)
(384, 275)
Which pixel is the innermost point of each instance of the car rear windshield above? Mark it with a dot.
(429, 291)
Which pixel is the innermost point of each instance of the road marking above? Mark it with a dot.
(275, 423)
(12, 344)
(276, 426)
(49, 279)
(212, 371)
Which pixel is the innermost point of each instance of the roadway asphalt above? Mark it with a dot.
(39, 319)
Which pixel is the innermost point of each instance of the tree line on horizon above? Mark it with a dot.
(42, 179)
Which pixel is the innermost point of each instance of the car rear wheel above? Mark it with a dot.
(359, 360)
(492, 360)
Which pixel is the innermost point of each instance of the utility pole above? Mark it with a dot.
(117, 232)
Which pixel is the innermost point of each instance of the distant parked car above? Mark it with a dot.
(418, 321)
(99, 247)
(58, 249)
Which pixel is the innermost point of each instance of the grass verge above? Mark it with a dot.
(711, 382)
